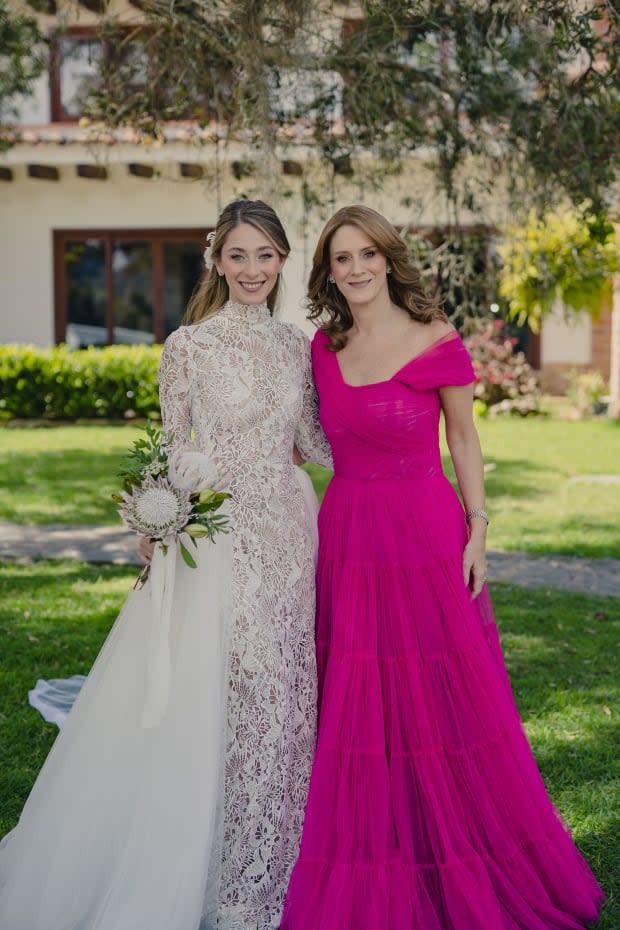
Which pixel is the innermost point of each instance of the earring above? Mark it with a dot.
(389, 270)
(331, 279)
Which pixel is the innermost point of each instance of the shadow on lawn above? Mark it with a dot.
(73, 486)
(600, 850)
(512, 478)
(578, 535)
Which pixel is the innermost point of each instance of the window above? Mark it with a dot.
(84, 59)
(130, 68)
(124, 286)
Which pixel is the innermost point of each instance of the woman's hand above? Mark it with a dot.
(475, 564)
(145, 550)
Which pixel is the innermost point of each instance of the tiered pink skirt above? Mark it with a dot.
(426, 808)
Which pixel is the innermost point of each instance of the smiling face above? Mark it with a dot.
(250, 263)
(358, 266)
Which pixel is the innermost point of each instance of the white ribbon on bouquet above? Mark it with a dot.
(157, 684)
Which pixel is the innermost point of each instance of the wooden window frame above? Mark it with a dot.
(155, 237)
(81, 32)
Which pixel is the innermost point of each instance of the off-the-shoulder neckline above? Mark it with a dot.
(453, 334)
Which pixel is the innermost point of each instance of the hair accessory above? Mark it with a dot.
(478, 512)
(207, 252)
(331, 279)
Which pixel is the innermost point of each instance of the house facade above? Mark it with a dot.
(102, 231)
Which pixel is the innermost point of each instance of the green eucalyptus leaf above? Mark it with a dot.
(188, 558)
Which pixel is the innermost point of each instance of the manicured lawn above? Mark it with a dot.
(560, 651)
(544, 492)
(61, 474)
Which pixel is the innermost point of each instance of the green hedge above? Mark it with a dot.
(111, 382)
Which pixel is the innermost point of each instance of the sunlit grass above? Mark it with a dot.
(542, 497)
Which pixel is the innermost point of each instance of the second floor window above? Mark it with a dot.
(121, 74)
(81, 57)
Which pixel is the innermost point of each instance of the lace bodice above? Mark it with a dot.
(242, 382)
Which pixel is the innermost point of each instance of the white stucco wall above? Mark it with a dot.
(566, 340)
(31, 209)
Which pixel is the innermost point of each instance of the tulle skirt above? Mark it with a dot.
(426, 808)
(122, 829)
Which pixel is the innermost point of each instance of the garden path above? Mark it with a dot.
(117, 545)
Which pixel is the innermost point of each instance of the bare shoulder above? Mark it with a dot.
(437, 329)
(423, 335)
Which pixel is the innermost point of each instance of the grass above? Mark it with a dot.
(541, 494)
(559, 649)
(61, 474)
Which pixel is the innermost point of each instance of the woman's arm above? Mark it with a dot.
(464, 446)
(174, 389)
(310, 442)
(174, 403)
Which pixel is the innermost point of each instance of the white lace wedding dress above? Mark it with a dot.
(195, 823)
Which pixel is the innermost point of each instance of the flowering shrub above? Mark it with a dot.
(505, 381)
(57, 383)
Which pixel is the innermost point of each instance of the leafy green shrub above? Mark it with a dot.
(111, 382)
(505, 381)
(569, 256)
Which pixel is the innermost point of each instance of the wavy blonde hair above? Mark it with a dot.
(211, 292)
(327, 305)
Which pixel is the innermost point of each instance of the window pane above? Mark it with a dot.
(132, 269)
(182, 270)
(80, 63)
(84, 263)
(130, 67)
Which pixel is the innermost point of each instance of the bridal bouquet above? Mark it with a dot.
(160, 511)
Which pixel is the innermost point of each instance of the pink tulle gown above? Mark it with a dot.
(426, 809)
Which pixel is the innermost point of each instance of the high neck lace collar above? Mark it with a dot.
(248, 313)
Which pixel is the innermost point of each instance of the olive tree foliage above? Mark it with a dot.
(22, 60)
(528, 87)
(525, 90)
(205, 60)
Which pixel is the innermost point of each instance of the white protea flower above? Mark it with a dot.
(155, 509)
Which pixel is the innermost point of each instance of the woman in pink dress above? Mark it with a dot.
(426, 808)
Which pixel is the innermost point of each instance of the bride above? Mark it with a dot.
(194, 820)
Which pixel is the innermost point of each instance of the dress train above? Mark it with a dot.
(121, 830)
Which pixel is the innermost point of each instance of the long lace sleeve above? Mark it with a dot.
(309, 437)
(175, 389)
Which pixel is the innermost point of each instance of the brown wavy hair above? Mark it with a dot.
(327, 306)
(211, 292)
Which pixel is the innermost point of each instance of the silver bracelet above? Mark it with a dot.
(477, 512)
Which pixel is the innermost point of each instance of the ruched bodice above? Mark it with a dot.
(389, 429)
